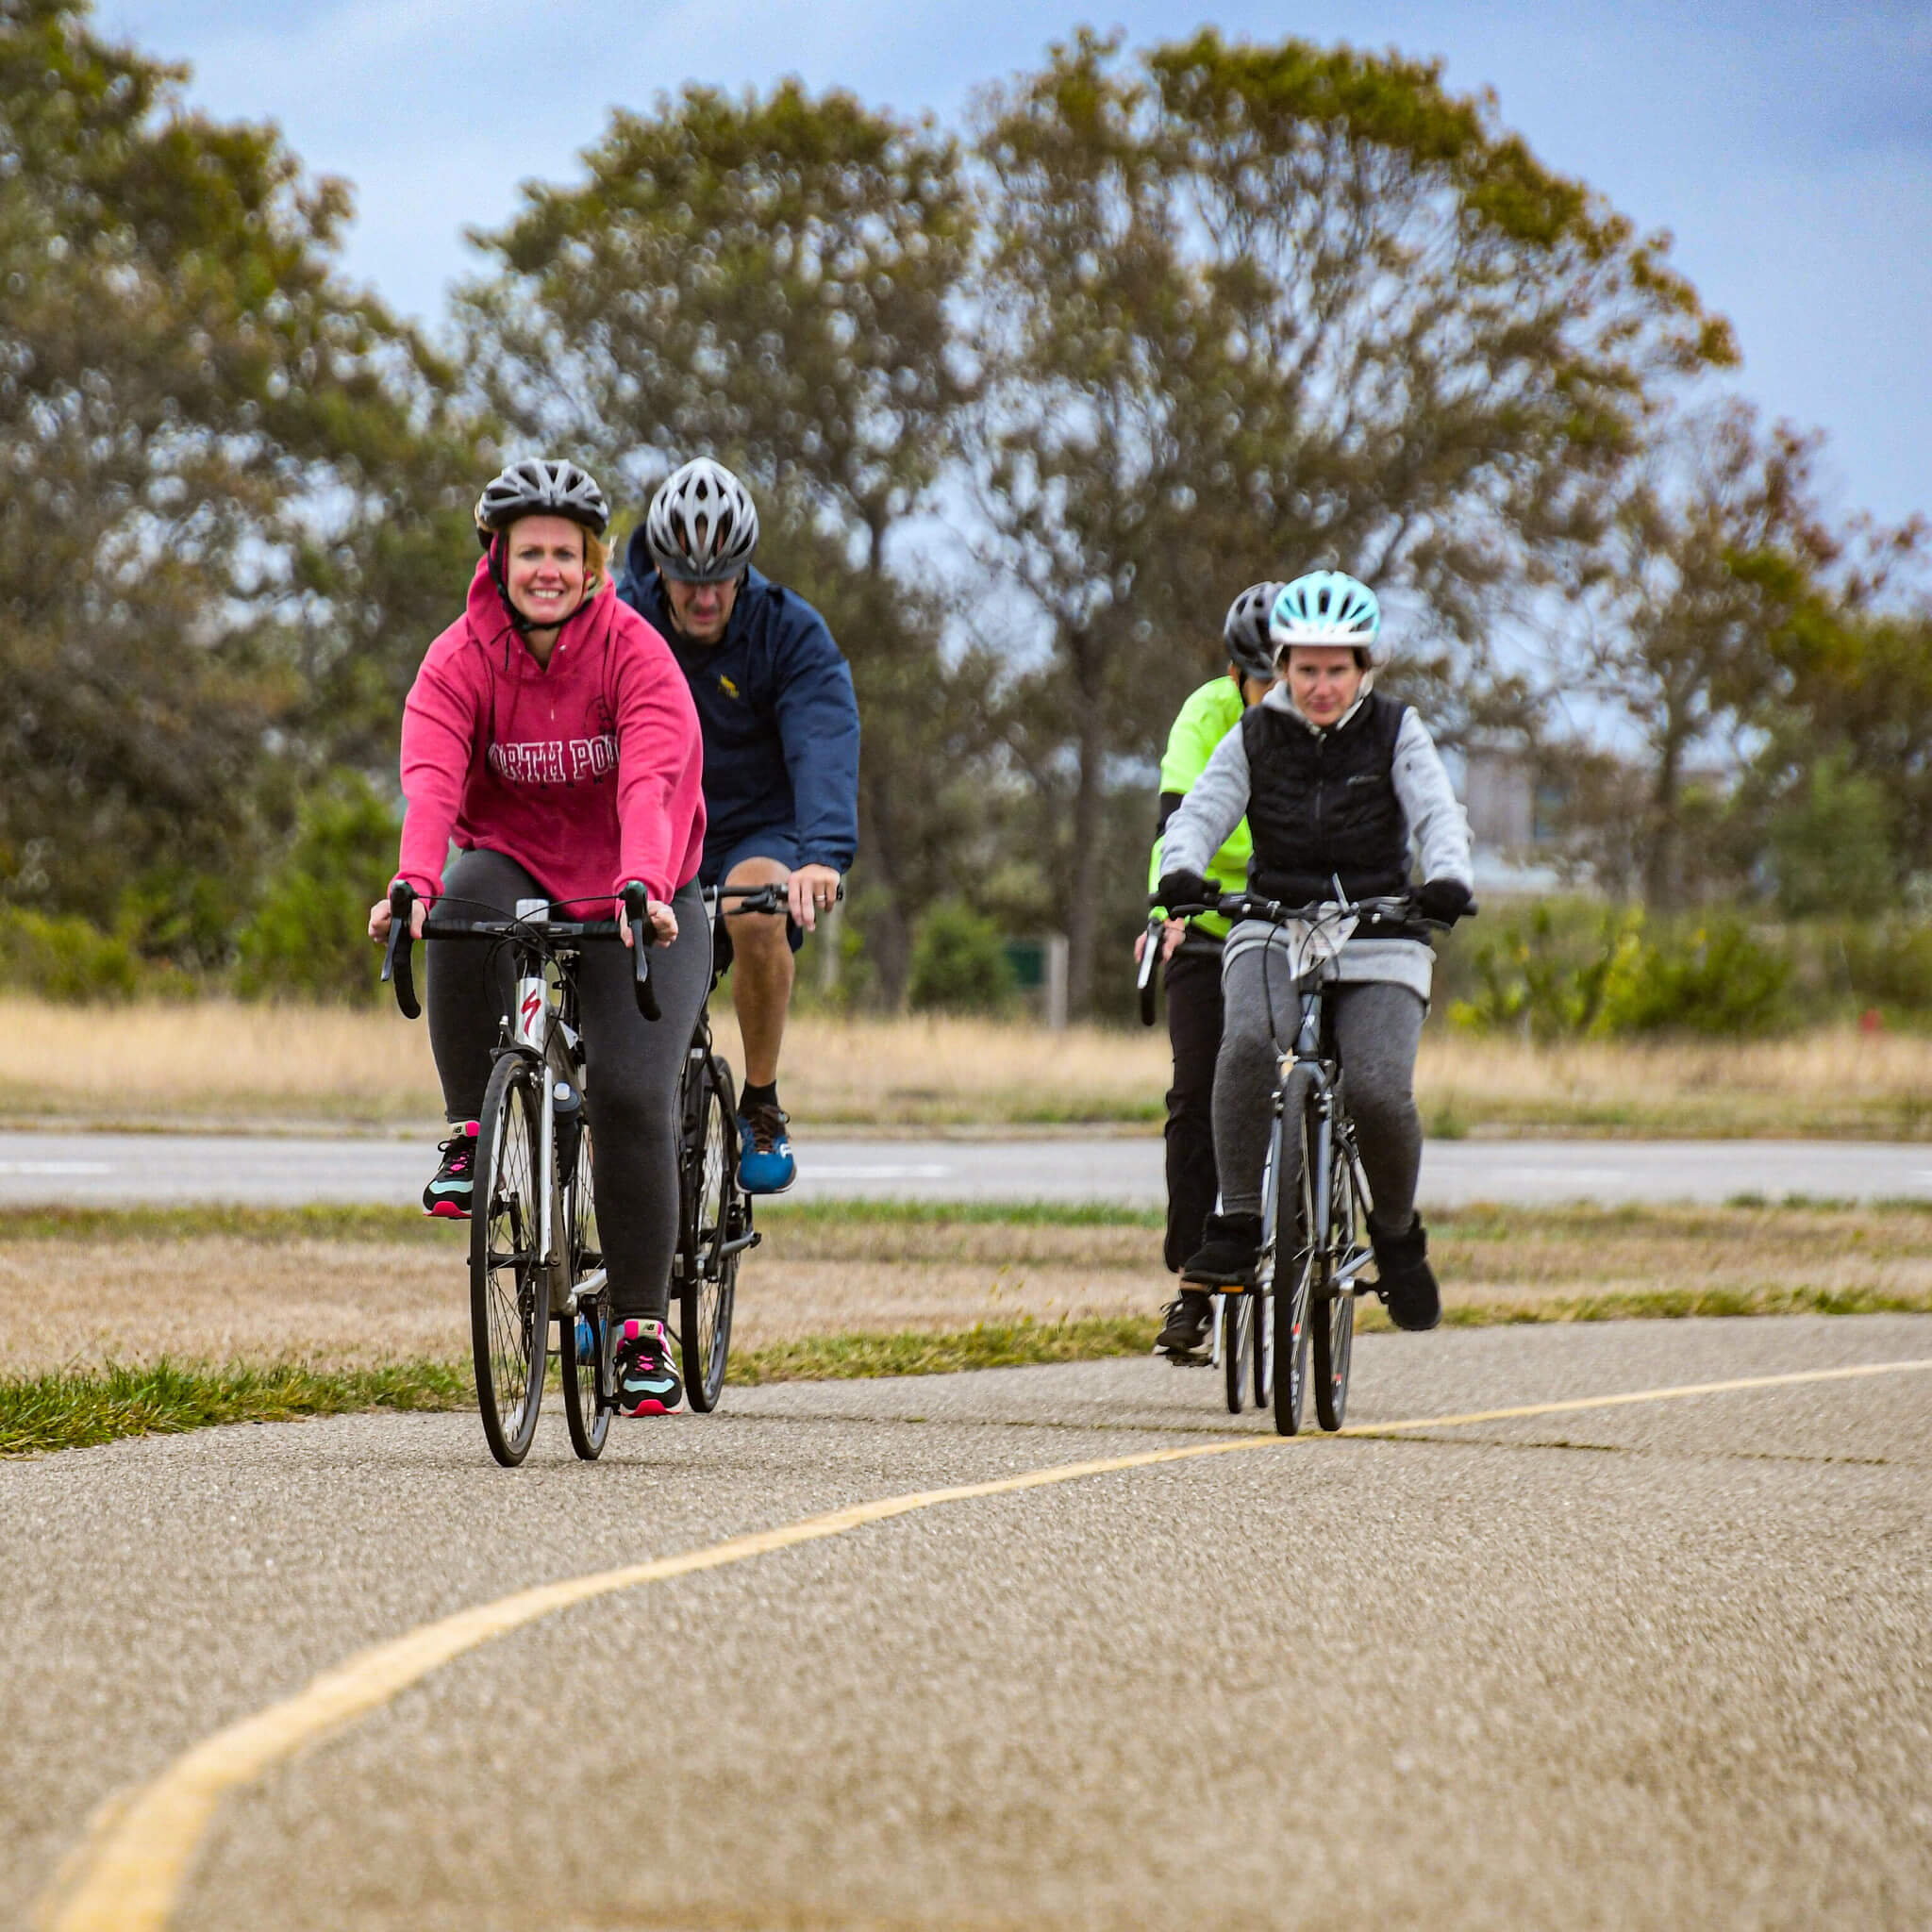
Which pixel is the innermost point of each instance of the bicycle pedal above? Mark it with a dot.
(1188, 1360)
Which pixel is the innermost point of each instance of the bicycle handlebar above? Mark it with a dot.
(1397, 908)
(398, 955)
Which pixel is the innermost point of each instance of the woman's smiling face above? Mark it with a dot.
(545, 568)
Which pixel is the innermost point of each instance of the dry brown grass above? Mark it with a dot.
(77, 1303)
(226, 1062)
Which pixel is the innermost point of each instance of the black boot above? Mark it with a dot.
(1407, 1282)
(1188, 1318)
(1229, 1253)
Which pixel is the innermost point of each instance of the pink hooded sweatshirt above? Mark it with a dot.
(588, 772)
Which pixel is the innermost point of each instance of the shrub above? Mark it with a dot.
(309, 935)
(959, 962)
(1548, 978)
(1716, 979)
(65, 958)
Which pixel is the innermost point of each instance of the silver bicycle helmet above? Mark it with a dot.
(1245, 630)
(1326, 606)
(542, 487)
(701, 527)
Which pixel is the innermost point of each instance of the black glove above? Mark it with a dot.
(1184, 889)
(1443, 899)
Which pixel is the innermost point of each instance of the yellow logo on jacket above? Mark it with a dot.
(726, 685)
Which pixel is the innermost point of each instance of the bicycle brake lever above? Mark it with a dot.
(396, 957)
(635, 900)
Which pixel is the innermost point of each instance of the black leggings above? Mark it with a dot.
(633, 1064)
(1192, 978)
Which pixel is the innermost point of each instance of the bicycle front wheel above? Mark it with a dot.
(715, 1216)
(1237, 1345)
(510, 1298)
(1335, 1312)
(1294, 1256)
(582, 1337)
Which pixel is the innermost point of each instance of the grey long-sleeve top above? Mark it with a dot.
(1437, 831)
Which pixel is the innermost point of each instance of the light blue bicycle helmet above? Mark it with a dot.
(1326, 606)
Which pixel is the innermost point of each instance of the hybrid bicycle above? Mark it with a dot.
(1315, 1199)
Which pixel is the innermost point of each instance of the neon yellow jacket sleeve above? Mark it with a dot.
(1203, 721)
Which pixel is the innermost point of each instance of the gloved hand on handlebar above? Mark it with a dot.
(1184, 889)
(1443, 899)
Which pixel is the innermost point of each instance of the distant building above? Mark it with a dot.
(1514, 822)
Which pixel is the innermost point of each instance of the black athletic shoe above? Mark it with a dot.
(1407, 1282)
(1229, 1253)
(447, 1196)
(1188, 1318)
(646, 1384)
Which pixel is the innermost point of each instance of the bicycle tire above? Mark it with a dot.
(1293, 1278)
(509, 1294)
(1264, 1347)
(713, 1215)
(1236, 1346)
(1334, 1323)
(588, 1417)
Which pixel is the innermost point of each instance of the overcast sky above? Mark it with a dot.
(1787, 147)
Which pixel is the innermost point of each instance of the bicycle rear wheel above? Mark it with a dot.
(1335, 1312)
(715, 1214)
(510, 1298)
(589, 1419)
(1236, 1346)
(1294, 1256)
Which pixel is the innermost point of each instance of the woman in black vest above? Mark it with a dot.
(1335, 782)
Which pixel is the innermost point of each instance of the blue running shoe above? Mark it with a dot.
(645, 1382)
(587, 1342)
(765, 1165)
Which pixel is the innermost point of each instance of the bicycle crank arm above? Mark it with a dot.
(737, 1244)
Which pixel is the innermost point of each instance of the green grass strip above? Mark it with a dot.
(72, 1410)
(380, 1224)
(992, 1345)
(888, 1214)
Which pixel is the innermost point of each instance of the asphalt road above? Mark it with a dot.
(108, 1168)
(1659, 1664)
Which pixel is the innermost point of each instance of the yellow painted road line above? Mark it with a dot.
(130, 1872)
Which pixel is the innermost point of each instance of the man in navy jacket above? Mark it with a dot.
(781, 757)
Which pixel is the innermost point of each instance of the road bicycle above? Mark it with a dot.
(536, 1257)
(1315, 1198)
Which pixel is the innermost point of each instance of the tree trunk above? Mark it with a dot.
(1661, 869)
(888, 938)
(1083, 911)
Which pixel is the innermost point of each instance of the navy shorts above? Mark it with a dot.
(781, 843)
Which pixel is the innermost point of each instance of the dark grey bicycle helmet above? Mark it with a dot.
(1245, 630)
(542, 487)
(701, 527)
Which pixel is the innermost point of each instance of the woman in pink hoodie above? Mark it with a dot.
(551, 737)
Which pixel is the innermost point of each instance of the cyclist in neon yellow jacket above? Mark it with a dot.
(1191, 975)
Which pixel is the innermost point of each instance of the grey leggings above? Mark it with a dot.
(1377, 1028)
(633, 1064)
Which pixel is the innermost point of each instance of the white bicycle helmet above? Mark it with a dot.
(1245, 631)
(542, 487)
(1326, 606)
(701, 527)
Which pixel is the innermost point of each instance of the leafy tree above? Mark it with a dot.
(767, 280)
(959, 964)
(1251, 309)
(214, 454)
(306, 937)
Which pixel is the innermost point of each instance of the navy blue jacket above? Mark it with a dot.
(775, 705)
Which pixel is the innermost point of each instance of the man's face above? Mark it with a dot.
(701, 612)
(1323, 680)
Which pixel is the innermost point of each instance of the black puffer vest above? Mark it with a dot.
(1322, 805)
